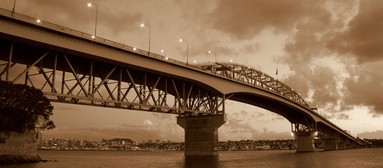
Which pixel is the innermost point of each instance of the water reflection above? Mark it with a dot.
(28, 165)
(201, 161)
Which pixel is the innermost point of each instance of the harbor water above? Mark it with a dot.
(357, 158)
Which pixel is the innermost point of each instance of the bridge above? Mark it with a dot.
(70, 66)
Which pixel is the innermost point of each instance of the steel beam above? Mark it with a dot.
(112, 86)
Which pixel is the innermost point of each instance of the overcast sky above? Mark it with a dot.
(330, 51)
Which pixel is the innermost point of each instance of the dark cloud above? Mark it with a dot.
(364, 36)
(321, 79)
(365, 88)
(363, 40)
(245, 19)
(326, 34)
(113, 17)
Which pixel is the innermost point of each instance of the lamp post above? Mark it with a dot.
(163, 52)
(146, 25)
(95, 26)
(187, 49)
(215, 55)
(14, 7)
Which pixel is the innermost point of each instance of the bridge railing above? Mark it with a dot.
(83, 35)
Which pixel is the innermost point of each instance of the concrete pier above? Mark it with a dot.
(304, 141)
(201, 134)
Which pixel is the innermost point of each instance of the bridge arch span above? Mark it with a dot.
(290, 111)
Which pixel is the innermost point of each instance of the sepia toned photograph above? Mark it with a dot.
(191, 83)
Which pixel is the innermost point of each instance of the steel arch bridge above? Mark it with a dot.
(69, 66)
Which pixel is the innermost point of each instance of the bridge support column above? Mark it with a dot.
(201, 134)
(304, 141)
(330, 144)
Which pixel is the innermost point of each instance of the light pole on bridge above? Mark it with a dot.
(148, 26)
(187, 49)
(163, 52)
(14, 7)
(95, 26)
(215, 55)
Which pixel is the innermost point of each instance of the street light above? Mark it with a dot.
(163, 52)
(146, 25)
(95, 26)
(14, 7)
(187, 50)
(215, 55)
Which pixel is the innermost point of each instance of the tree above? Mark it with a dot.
(23, 108)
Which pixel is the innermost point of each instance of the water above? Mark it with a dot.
(358, 158)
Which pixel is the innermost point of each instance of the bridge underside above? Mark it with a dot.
(290, 113)
(71, 77)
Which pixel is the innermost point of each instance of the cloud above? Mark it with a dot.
(245, 19)
(364, 36)
(348, 43)
(342, 116)
(309, 27)
(321, 79)
(378, 134)
(248, 125)
(362, 40)
(113, 17)
(365, 88)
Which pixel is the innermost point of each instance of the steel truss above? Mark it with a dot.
(74, 79)
(254, 78)
(326, 133)
(299, 128)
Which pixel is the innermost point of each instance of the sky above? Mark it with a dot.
(330, 51)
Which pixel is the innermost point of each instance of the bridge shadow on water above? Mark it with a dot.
(201, 162)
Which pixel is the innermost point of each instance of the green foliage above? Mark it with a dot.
(23, 108)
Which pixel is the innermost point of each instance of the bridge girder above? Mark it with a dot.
(67, 78)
